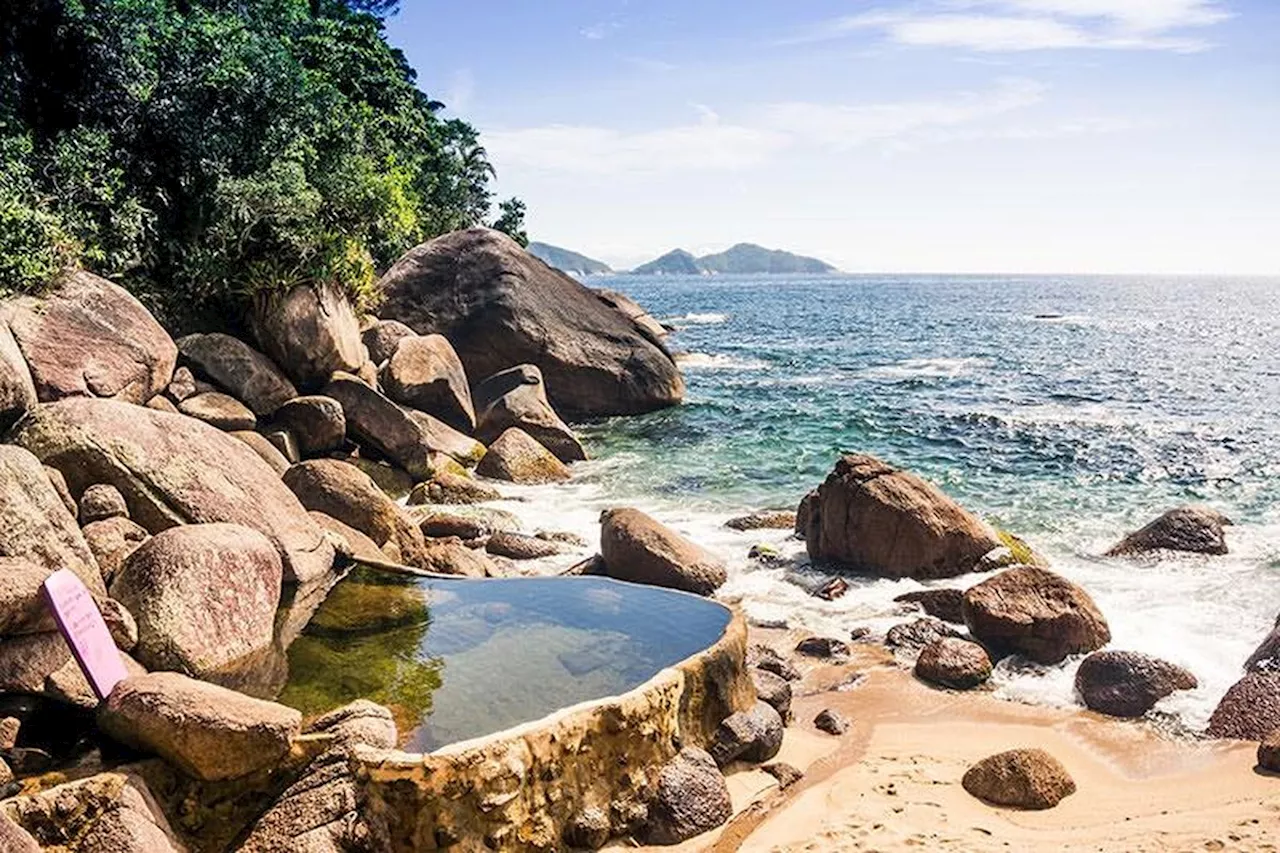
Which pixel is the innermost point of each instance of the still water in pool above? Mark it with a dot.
(456, 659)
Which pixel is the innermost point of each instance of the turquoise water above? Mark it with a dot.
(1066, 409)
(456, 659)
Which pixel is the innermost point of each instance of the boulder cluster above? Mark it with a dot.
(202, 488)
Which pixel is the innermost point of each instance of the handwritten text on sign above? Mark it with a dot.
(85, 631)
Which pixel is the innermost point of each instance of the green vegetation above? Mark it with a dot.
(203, 151)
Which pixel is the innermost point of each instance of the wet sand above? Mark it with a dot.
(892, 782)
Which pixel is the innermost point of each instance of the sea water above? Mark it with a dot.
(1068, 410)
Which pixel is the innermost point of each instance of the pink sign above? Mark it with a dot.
(85, 631)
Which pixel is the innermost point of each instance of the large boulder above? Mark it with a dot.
(871, 517)
(1024, 778)
(498, 305)
(1033, 612)
(17, 391)
(1128, 684)
(404, 436)
(113, 812)
(90, 338)
(451, 557)
(691, 798)
(1250, 710)
(1195, 529)
(316, 422)
(241, 370)
(207, 731)
(639, 549)
(348, 494)
(204, 597)
(175, 470)
(310, 332)
(517, 457)
(632, 310)
(517, 398)
(953, 662)
(219, 410)
(37, 526)
(424, 373)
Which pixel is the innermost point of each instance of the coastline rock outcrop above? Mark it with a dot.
(174, 470)
(953, 662)
(1034, 612)
(1024, 778)
(424, 373)
(1195, 529)
(517, 398)
(1128, 684)
(239, 369)
(499, 306)
(691, 798)
(89, 337)
(517, 457)
(204, 597)
(871, 517)
(1250, 710)
(207, 731)
(640, 549)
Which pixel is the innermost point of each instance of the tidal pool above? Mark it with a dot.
(455, 659)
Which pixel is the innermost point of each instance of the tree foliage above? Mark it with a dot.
(203, 151)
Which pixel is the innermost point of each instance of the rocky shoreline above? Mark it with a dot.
(208, 491)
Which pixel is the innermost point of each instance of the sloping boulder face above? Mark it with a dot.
(639, 549)
(388, 428)
(17, 391)
(316, 423)
(424, 373)
(518, 398)
(1250, 710)
(207, 731)
(1195, 529)
(241, 370)
(204, 597)
(522, 789)
(632, 310)
(871, 517)
(348, 494)
(107, 813)
(1034, 612)
(310, 332)
(382, 338)
(175, 470)
(498, 305)
(518, 458)
(38, 528)
(91, 338)
(1128, 684)
(1266, 658)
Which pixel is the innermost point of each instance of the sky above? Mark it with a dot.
(1120, 136)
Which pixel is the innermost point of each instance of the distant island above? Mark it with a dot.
(570, 262)
(742, 259)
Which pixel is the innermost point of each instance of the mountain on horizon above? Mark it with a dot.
(567, 261)
(741, 259)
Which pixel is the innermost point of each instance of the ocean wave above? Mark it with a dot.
(717, 361)
(694, 318)
(916, 368)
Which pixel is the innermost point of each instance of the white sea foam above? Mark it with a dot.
(1204, 613)
(694, 318)
(717, 361)
(911, 368)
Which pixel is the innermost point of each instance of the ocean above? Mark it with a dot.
(1069, 410)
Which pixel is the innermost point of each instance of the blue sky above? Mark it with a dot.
(905, 135)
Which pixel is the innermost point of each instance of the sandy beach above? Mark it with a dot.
(892, 782)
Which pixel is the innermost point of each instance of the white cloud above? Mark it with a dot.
(460, 91)
(600, 30)
(1023, 25)
(715, 144)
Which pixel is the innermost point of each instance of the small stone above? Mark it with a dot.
(518, 546)
(1024, 778)
(589, 829)
(774, 690)
(952, 662)
(767, 659)
(691, 798)
(753, 736)
(823, 647)
(831, 722)
(100, 502)
(833, 589)
(786, 774)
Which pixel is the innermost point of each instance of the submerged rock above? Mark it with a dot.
(1036, 613)
(517, 398)
(1128, 684)
(500, 306)
(1195, 529)
(691, 798)
(1024, 778)
(869, 516)
(639, 549)
(952, 662)
(1250, 710)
